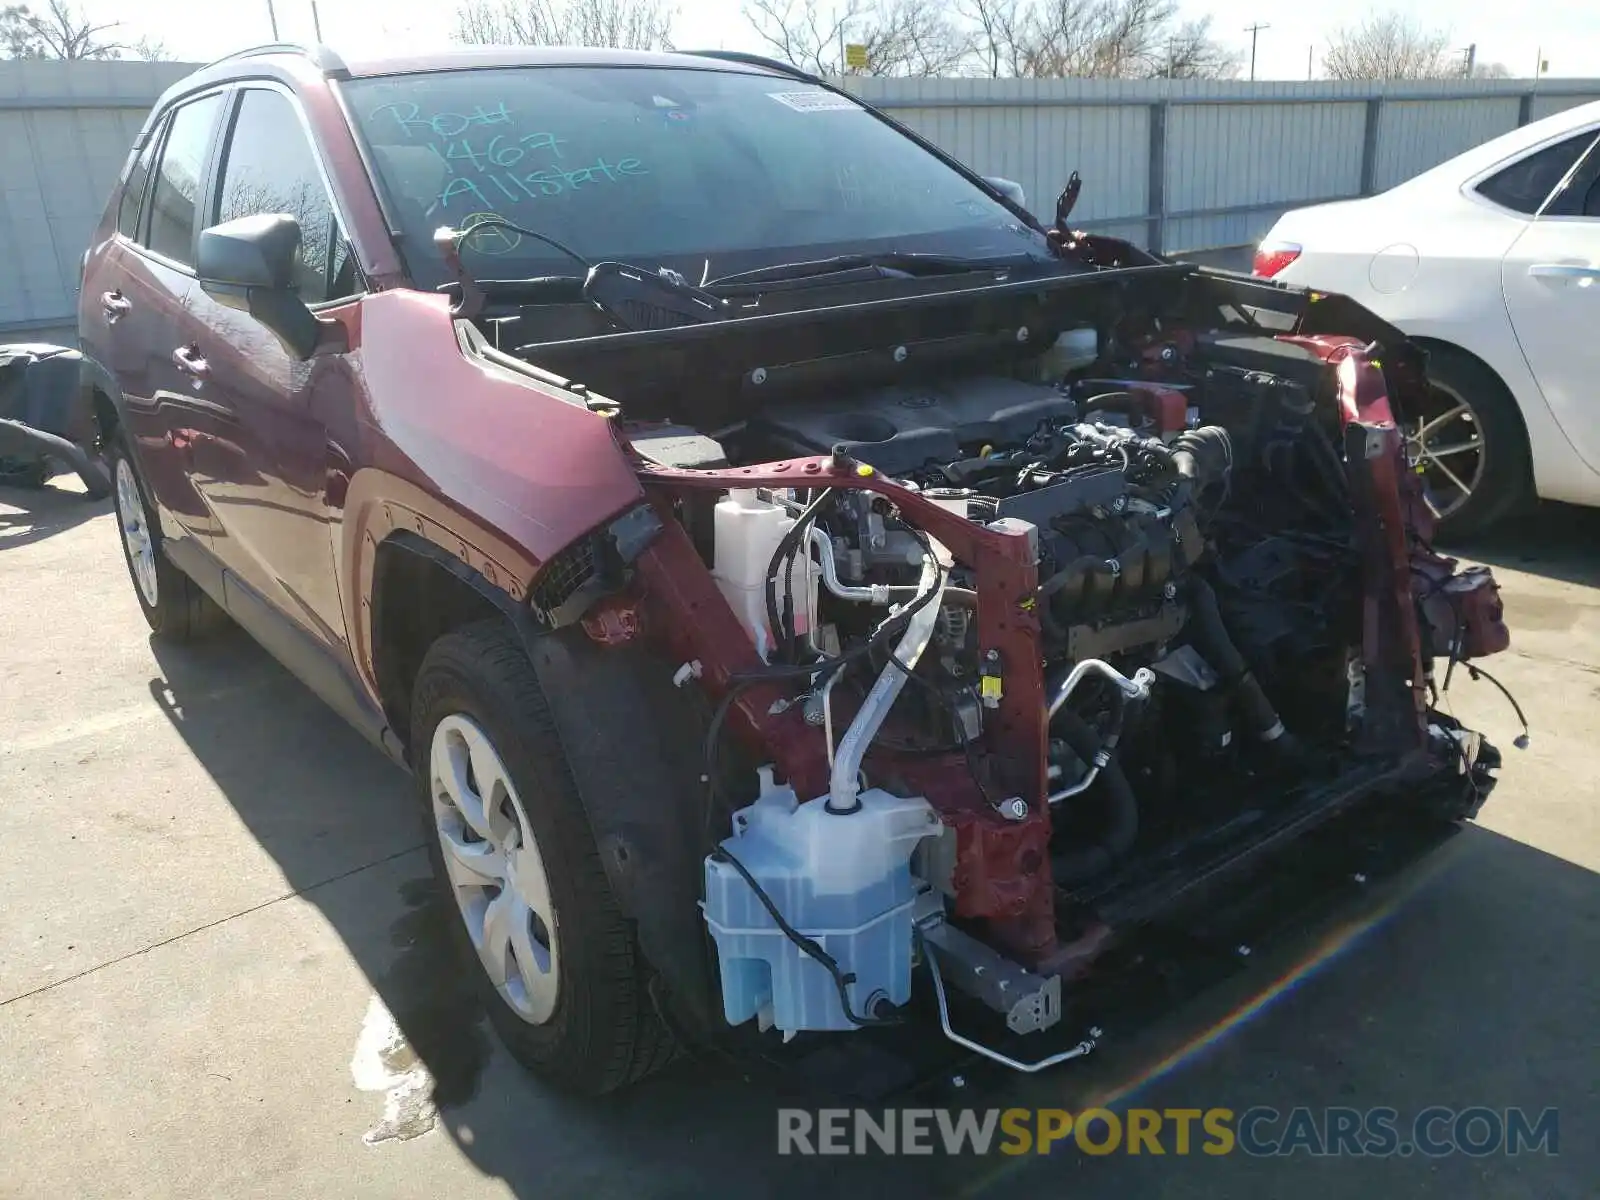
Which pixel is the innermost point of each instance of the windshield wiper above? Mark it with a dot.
(896, 261)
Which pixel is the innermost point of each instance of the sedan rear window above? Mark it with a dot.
(662, 166)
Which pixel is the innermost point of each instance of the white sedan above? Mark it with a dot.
(1492, 262)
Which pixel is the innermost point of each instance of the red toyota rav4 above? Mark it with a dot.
(811, 593)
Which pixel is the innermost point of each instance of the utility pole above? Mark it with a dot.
(316, 22)
(1310, 50)
(272, 16)
(1472, 59)
(1254, 31)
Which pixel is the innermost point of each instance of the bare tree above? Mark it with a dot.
(1389, 46)
(804, 32)
(150, 49)
(1490, 70)
(622, 24)
(918, 38)
(999, 38)
(62, 31)
(1192, 53)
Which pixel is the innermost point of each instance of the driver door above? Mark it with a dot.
(267, 468)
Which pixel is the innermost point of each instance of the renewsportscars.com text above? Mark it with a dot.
(1262, 1132)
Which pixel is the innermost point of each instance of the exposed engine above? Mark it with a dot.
(1008, 650)
(1199, 606)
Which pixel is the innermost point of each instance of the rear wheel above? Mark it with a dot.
(173, 605)
(556, 963)
(1469, 444)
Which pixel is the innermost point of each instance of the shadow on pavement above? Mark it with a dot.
(1469, 981)
(1558, 541)
(30, 515)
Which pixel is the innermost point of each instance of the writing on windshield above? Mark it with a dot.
(490, 159)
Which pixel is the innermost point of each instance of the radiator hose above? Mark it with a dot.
(1122, 811)
(1211, 637)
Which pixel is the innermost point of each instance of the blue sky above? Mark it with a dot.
(1567, 31)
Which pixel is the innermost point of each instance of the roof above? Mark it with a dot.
(460, 58)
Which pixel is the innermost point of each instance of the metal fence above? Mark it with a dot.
(1192, 165)
(1180, 166)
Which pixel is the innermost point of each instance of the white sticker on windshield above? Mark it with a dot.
(815, 101)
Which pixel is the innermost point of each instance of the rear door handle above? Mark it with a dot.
(1563, 271)
(114, 304)
(190, 361)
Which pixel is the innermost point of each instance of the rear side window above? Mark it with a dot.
(174, 200)
(133, 191)
(271, 168)
(1523, 186)
(1579, 195)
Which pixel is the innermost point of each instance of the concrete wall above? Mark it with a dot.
(1181, 166)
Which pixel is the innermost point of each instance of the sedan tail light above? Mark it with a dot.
(1272, 257)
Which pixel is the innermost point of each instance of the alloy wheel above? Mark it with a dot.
(497, 874)
(137, 543)
(1446, 443)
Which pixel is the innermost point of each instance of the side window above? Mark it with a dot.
(1579, 196)
(138, 180)
(1523, 186)
(270, 168)
(177, 184)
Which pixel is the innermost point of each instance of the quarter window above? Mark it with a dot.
(1579, 194)
(1523, 186)
(178, 181)
(270, 168)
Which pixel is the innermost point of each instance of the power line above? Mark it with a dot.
(1254, 31)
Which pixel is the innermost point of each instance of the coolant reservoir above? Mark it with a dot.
(747, 531)
(843, 880)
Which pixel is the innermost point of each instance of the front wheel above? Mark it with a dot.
(556, 963)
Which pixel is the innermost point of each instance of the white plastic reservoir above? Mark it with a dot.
(747, 531)
(843, 880)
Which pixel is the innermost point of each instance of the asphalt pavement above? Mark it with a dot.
(222, 963)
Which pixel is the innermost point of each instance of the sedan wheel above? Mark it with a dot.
(1446, 443)
(496, 870)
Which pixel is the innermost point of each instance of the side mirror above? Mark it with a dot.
(1009, 188)
(249, 264)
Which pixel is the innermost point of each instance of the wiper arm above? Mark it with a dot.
(909, 264)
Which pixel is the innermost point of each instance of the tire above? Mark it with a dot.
(174, 606)
(1502, 467)
(581, 1016)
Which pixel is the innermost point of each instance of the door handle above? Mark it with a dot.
(1563, 271)
(114, 304)
(190, 361)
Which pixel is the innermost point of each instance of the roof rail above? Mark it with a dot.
(755, 60)
(324, 58)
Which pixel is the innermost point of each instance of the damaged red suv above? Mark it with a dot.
(811, 593)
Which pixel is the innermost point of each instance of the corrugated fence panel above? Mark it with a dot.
(1549, 106)
(1032, 132)
(1234, 156)
(1414, 135)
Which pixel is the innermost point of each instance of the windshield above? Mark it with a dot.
(707, 171)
